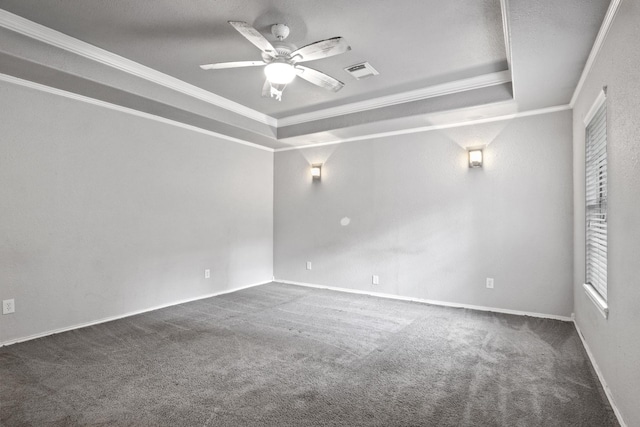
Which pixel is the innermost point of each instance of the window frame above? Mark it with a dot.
(595, 187)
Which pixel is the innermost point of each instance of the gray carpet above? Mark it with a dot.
(280, 355)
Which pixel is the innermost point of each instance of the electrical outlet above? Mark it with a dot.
(308, 265)
(207, 273)
(8, 306)
(375, 279)
(490, 282)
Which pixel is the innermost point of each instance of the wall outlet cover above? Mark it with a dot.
(8, 306)
(375, 279)
(308, 265)
(207, 273)
(489, 282)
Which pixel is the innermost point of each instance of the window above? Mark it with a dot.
(596, 204)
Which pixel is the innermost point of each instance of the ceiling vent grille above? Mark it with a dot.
(361, 71)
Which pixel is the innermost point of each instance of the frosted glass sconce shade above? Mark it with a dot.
(316, 172)
(475, 158)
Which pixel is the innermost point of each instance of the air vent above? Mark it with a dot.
(361, 71)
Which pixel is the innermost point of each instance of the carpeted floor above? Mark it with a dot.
(280, 355)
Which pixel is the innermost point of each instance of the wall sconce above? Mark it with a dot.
(475, 158)
(316, 171)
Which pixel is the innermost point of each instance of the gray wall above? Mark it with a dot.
(615, 342)
(429, 226)
(105, 213)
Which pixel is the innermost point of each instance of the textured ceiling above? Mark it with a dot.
(417, 46)
(412, 44)
(550, 42)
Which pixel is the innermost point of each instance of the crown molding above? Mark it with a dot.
(448, 88)
(506, 29)
(97, 102)
(63, 41)
(607, 22)
(93, 101)
(434, 127)
(60, 40)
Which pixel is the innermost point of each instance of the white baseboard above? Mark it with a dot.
(121, 316)
(353, 291)
(605, 387)
(428, 301)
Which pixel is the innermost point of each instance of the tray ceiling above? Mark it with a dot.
(433, 56)
(411, 46)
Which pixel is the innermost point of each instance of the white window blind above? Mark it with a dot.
(596, 201)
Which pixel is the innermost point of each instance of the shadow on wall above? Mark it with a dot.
(469, 136)
(440, 217)
(427, 223)
(465, 136)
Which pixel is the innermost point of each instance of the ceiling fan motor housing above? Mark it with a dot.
(282, 52)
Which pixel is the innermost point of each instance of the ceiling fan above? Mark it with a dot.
(282, 62)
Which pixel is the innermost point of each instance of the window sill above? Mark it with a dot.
(597, 300)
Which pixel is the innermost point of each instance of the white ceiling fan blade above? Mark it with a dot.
(319, 78)
(221, 65)
(321, 49)
(253, 36)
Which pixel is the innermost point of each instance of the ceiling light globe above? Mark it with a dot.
(280, 73)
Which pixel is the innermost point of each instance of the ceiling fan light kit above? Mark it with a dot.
(279, 72)
(281, 64)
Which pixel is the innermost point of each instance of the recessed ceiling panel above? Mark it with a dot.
(413, 44)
